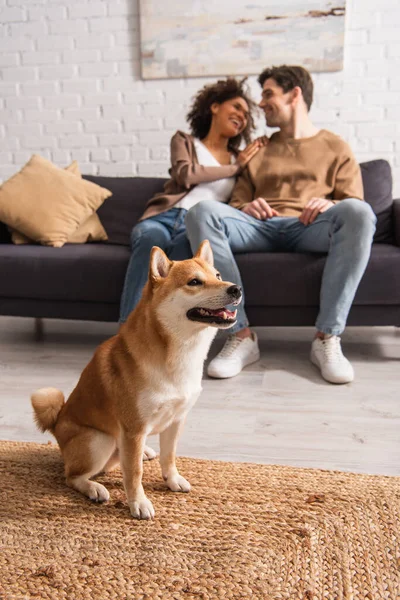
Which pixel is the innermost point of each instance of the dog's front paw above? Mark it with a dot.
(142, 509)
(177, 483)
(149, 453)
(97, 492)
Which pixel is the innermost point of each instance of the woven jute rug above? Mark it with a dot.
(244, 531)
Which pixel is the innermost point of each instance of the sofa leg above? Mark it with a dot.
(39, 329)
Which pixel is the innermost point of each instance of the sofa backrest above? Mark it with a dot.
(377, 181)
(130, 194)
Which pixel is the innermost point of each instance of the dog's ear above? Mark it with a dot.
(159, 264)
(205, 252)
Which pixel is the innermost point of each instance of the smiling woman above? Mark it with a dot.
(204, 166)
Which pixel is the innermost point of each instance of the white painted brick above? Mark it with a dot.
(97, 69)
(143, 97)
(108, 24)
(393, 50)
(154, 138)
(117, 169)
(9, 60)
(394, 84)
(79, 86)
(125, 84)
(38, 142)
(7, 171)
(78, 141)
(84, 114)
(139, 152)
(62, 101)
(320, 115)
(21, 129)
(41, 116)
(365, 51)
(375, 98)
(119, 8)
(23, 102)
(382, 145)
(116, 139)
(53, 13)
(73, 26)
(366, 19)
(119, 154)
(40, 58)
(137, 124)
(340, 101)
(8, 89)
(128, 38)
(367, 114)
(102, 126)
(377, 130)
(58, 72)
(80, 155)
(119, 111)
(382, 67)
(81, 56)
(89, 9)
(128, 68)
(22, 157)
(33, 29)
(155, 169)
(392, 113)
(160, 153)
(62, 158)
(99, 154)
(5, 158)
(364, 84)
(356, 37)
(12, 15)
(387, 34)
(94, 40)
(88, 168)
(9, 143)
(116, 54)
(15, 44)
(108, 102)
(18, 74)
(56, 42)
(63, 127)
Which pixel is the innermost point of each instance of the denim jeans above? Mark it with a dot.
(166, 230)
(344, 232)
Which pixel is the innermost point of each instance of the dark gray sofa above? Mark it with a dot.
(85, 281)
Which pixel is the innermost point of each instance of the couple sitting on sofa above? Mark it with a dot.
(299, 191)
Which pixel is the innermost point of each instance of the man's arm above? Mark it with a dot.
(348, 181)
(243, 192)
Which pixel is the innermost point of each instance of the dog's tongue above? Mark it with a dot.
(222, 312)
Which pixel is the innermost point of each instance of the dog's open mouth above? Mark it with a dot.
(219, 316)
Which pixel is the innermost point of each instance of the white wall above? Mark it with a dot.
(70, 88)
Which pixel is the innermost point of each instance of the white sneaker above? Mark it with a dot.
(327, 355)
(235, 355)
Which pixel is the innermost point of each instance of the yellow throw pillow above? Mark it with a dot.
(90, 231)
(48, 204)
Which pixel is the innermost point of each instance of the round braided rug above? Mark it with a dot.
(244, 531)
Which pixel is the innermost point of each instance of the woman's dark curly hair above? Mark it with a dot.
(199, 116)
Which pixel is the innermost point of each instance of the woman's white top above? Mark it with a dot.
(220, 190)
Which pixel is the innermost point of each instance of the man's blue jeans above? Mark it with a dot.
(166, 230)
(344, 231)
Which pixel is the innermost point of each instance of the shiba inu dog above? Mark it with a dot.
(142, 381)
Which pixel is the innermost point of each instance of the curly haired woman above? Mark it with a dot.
(204, 165)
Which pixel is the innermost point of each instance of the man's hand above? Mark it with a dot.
(313, 208)
(260, 209)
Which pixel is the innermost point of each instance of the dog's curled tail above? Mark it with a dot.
(47, 403)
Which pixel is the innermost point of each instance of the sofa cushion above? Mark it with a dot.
(129, 197)
(46, 203)
(76, 272)
(268, 277)
(377, 181)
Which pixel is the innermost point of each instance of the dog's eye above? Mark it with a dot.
(218, 276)
(195, 282)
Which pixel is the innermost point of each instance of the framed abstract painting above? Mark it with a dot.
(201, 38)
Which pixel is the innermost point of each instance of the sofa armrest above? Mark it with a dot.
(396, 217)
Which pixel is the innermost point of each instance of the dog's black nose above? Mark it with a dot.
(235, 291)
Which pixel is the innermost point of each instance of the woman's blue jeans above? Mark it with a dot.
(166, 230)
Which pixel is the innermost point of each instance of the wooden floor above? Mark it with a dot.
(276, 411)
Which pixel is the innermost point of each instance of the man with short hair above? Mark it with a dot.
(302, 192)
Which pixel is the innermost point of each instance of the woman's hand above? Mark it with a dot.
(250, 151)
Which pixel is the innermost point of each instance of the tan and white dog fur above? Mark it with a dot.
(142, 381)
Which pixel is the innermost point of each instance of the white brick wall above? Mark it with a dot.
(70, 88)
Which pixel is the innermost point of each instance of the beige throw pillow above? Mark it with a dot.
(90, 231)
(48, 204)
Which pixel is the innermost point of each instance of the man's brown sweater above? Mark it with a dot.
(288, 173)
